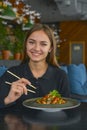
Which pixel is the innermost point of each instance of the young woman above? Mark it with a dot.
(39, 68)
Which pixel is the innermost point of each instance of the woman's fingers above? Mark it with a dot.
(21, 85)
(18, 88)
(25, 81)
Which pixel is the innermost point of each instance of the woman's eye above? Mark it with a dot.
(43, 44)
(31, 42)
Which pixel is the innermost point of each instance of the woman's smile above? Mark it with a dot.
(36, 54)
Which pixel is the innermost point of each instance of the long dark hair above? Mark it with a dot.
(51, 58)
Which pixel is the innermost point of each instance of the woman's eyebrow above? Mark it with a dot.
(30, 39)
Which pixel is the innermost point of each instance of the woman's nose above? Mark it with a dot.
(37, 47)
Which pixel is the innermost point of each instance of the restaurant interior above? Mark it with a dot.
(68, 20)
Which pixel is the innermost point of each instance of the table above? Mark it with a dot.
(14, 118)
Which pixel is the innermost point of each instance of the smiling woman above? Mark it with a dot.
(39, 67)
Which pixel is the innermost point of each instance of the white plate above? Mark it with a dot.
(31, 103)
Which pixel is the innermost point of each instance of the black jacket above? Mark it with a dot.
(54, 78)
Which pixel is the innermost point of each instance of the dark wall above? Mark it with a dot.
(49, 11)
(47, 8)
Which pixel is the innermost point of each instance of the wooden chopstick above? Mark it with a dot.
(27, 89)
(13, 74)
(19, 78)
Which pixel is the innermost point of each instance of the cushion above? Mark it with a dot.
(63, 67)
(77, 78)
(2, 70)
(85, 87)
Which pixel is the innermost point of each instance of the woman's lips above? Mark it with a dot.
(35, 54)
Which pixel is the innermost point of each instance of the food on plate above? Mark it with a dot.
(52, 97)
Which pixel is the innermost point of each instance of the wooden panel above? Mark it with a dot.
(72, 31)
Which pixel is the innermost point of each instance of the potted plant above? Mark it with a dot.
(5, 43)
(19, 35)
(6, 46)
(17, 48)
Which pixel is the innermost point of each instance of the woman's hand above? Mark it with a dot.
(18, 88)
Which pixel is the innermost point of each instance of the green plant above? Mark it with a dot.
(3, 32)
(17, 47)
(19, 39)
(6, 44)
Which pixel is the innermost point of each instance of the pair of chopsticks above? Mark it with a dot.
(19, 78)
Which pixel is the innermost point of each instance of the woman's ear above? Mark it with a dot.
(50, 50)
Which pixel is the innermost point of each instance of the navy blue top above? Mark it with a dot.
(54, 78)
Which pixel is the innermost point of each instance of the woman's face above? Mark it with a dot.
(38, 46)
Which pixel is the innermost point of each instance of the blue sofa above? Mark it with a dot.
(5, 64)
(76, 73)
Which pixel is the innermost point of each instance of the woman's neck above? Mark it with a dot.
(38, 69)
